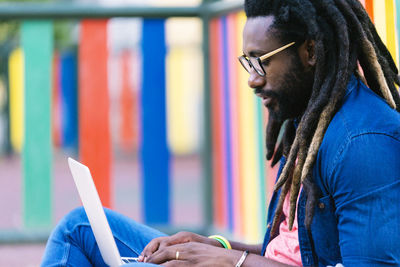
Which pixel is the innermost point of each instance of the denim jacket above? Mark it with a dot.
(357, 219)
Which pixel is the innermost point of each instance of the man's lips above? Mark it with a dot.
(267, 100)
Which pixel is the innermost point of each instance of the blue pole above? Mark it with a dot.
(154, 151)
(228, 146)
(69, 99)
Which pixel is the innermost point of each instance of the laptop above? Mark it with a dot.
(95, 213)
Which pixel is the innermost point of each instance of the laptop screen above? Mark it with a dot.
(95, 212)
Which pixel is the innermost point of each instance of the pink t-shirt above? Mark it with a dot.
(285, 247)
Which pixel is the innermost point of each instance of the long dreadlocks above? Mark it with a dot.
(344, 37)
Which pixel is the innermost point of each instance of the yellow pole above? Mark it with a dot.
(16, 76)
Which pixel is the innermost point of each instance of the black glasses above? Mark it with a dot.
(256, 62)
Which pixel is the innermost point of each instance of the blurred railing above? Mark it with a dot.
(207, 9)
(38, 218)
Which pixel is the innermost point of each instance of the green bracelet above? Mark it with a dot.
(224, 242)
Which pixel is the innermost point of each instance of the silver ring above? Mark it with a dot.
(177, 255)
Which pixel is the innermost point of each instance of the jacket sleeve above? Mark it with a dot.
(365, 185)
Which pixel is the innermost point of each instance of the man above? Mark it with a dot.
(340, 168)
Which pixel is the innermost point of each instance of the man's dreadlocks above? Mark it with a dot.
(344, 37)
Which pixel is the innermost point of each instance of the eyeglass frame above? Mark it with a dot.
(262, 58)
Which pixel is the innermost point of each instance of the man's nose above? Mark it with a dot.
(255, 80)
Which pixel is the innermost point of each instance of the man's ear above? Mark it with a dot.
(307, 53)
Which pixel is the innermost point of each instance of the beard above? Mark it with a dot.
(291, 98)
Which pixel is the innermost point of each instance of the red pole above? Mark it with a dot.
(56, 108)
(126, 105)
(94, 132)
(219, 160)
(369, 6)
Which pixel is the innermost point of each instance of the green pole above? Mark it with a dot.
(221, 8)
(37, 43)
(207, 149)
(261, 166)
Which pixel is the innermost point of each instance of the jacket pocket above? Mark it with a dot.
(325, 233)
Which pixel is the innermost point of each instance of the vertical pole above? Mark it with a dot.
(380, 19)
(231, 55)
(126, 105)
(94, 129)
(7, 78)
(227, 99)
(260, 158)
(207, 156)
(16, 96)
(369, 6)
(154, 151)
(218, 123)
(212, 202)
(69, 99)
(4, 58)
(397, 3)
(37, 42)
(56, 103)
(391, 29)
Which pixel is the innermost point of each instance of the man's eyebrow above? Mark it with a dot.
(256, 53)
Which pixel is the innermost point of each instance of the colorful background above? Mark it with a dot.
(167, 144)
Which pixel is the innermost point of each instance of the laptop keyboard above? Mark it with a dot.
(128, 259)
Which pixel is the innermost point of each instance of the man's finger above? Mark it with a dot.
(151, 247)
(175, 263)
(162, 256)
(164, 244)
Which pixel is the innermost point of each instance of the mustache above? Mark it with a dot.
(266, 93)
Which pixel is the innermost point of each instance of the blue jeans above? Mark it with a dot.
(72, 242)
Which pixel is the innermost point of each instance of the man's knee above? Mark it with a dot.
(77, 214)
(75, 217)
(68, 225)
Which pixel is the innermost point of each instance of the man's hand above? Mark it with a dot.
(179, 238)
(199, 254)
(194, 254)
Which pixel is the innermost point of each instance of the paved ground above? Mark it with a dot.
(21, 255)
(186, 199)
